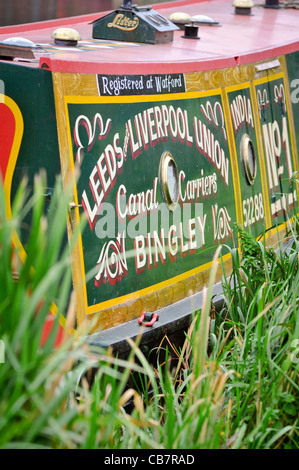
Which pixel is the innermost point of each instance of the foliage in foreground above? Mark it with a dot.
(234, 384)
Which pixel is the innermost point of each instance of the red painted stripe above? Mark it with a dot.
(7, 133)
(67, 65)
(48, 326)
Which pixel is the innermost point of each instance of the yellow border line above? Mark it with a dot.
(147, 290)
(140, 98)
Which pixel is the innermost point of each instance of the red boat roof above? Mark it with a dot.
(240, 39)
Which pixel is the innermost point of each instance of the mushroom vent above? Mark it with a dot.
(17, 47)
(66, 37)
(243, 7)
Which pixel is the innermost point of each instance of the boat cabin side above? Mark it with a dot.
(169, 163)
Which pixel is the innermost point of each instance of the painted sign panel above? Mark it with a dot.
(244, 130)
(156, 187)
(277, 146)
(115, 85)
(292, 62)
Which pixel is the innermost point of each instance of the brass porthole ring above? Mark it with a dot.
(249, 158)
(169, 180)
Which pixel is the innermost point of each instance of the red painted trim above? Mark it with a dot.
(7, 134)
(269, 53)
(63, 65)
(60, 65)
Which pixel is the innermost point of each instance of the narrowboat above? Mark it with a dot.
(183, 119)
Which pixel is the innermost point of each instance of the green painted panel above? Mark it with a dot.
(277, 146)
(32, 91)
(133, 240)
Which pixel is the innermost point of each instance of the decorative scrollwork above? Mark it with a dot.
(112, 262)
(279, 97)
(210, 112)
(221, 223)
(90, 131)
(262, 102)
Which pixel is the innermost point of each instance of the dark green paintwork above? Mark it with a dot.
(32, 91)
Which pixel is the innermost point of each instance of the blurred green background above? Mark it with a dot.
(27, 11)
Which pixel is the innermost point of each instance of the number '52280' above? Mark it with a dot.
(253, 210)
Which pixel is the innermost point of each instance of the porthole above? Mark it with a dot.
(248, 158)
(169, 180)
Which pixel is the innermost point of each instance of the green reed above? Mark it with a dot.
(234, 383)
